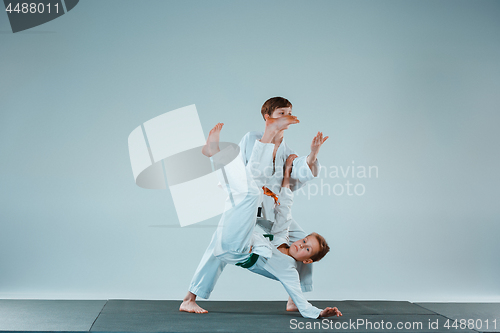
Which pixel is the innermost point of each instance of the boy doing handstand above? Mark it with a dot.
(236, 242)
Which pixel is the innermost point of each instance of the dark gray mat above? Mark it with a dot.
(375, 307)
(164, 316)
(48, 315)
(482, 314)
(236, 316)
(268, 307)
(231, 316)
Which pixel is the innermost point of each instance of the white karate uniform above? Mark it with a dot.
(301, 173)
(209, 268)
(237, 241)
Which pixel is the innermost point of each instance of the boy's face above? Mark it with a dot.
(304, 249)
(280, 112)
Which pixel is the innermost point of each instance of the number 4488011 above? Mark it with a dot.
(470, 324)
(32, 8)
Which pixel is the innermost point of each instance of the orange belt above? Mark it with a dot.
(270, 193)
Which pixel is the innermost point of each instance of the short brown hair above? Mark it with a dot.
(323, 247)
(274, 103)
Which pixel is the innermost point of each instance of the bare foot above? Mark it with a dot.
(275, 125)
(290, 306)
(281, 123)
(329, 312)
(212, 146)
(191, 306)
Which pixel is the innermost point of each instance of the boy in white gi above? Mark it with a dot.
(304, 169)
(235, 241)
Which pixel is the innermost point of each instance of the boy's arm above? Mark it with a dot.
(316, 143)
(283, 209)
(292, 287)
(289, 278)
(307, 168)
(283, 217)
(283, 269)
(302, 173)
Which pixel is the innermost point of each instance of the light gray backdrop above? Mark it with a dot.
(411, 87)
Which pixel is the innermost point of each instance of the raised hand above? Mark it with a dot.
(317, 141)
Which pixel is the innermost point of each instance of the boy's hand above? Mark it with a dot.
(329, 312)
(317, 141)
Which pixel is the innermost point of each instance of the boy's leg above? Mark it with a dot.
(207, 273)
(238, 222)
(283, 211)
(204, 279)
(210, 267)
(189, 304)
(260, 164)
(245, 185)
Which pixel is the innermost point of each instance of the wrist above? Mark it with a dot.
(311, 158)
(285, 182)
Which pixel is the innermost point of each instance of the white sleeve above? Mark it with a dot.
(301, 173)
(289, 278)
(243, 148)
